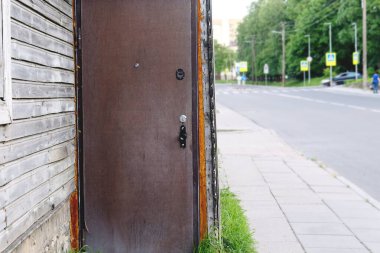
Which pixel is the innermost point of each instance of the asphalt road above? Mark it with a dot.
(337, 126)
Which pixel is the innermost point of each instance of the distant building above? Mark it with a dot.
(225, 32)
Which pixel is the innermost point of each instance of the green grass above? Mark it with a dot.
(84, 249)
(313, 82)
(235, 233)
(225, 81)
(236, 236)
(289, 83)
(357, 83)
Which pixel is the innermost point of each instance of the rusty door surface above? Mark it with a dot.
(140, 188)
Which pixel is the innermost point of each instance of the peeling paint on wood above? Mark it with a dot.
(39, 23)
(24, 128)
(34, 214)
(46, 10)
(51, 234)
(23, 33)
(2, 219)
(30, 72)
(37, 149)
(18, 149)
(64, 6)
(25, 52)
(24, 89)
(31, 180)
(12, 171)
(23, 109)
(21, 206)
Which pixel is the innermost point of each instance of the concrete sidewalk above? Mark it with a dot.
(293, 204)
(342, 88)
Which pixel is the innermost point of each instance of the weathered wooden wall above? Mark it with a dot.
(209, 185)
(37, 148)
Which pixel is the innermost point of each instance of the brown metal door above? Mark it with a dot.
(139, 188)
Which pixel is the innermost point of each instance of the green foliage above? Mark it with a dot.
(265, 16)
(326, 72)
(224, 58)
(84, 249)
(303, 17)
(236, 236)
(211, 244)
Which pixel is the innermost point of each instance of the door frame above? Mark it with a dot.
(79, 119)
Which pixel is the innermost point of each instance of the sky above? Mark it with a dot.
(230, 8)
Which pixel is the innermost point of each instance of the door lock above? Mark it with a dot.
(182, 131)
(182, 136)
(180, 74)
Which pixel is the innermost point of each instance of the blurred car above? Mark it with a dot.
(341, 78)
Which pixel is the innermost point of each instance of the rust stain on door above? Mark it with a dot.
(203, 227)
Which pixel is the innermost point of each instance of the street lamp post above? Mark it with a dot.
(253, 59)
(365, 73)
(330, 43)
(253, 42)
(283, 51)
(309, 59)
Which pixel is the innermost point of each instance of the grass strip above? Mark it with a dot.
(85, 249)
(289, 83)
(236, 236)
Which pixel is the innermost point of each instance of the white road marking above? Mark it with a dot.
(357, 107)
(329, 103)
(337, 104)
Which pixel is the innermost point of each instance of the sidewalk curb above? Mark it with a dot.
(356, 189)
(371, 200)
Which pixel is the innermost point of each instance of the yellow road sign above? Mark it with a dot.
(331, 59)
(304, 66)
(355, 58)
(243, 67)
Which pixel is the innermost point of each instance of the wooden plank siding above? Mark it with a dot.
(37, 150)
(1, 58)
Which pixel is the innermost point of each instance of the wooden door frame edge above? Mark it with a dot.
(79, 121)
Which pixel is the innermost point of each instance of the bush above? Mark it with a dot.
(326, 72)
(236, 236)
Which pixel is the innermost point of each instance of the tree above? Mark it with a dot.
(224, 58)
(304, 17)
(264, 17)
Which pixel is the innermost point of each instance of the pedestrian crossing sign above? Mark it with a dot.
(355, 58)
(331, 59)
(304, 66)
(243, 67)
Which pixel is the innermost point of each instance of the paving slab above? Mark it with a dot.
(362, 223)
(374, 247)
(293, 204)
(320, 228)
(279, 247)
(331, 241)
(333, 250)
